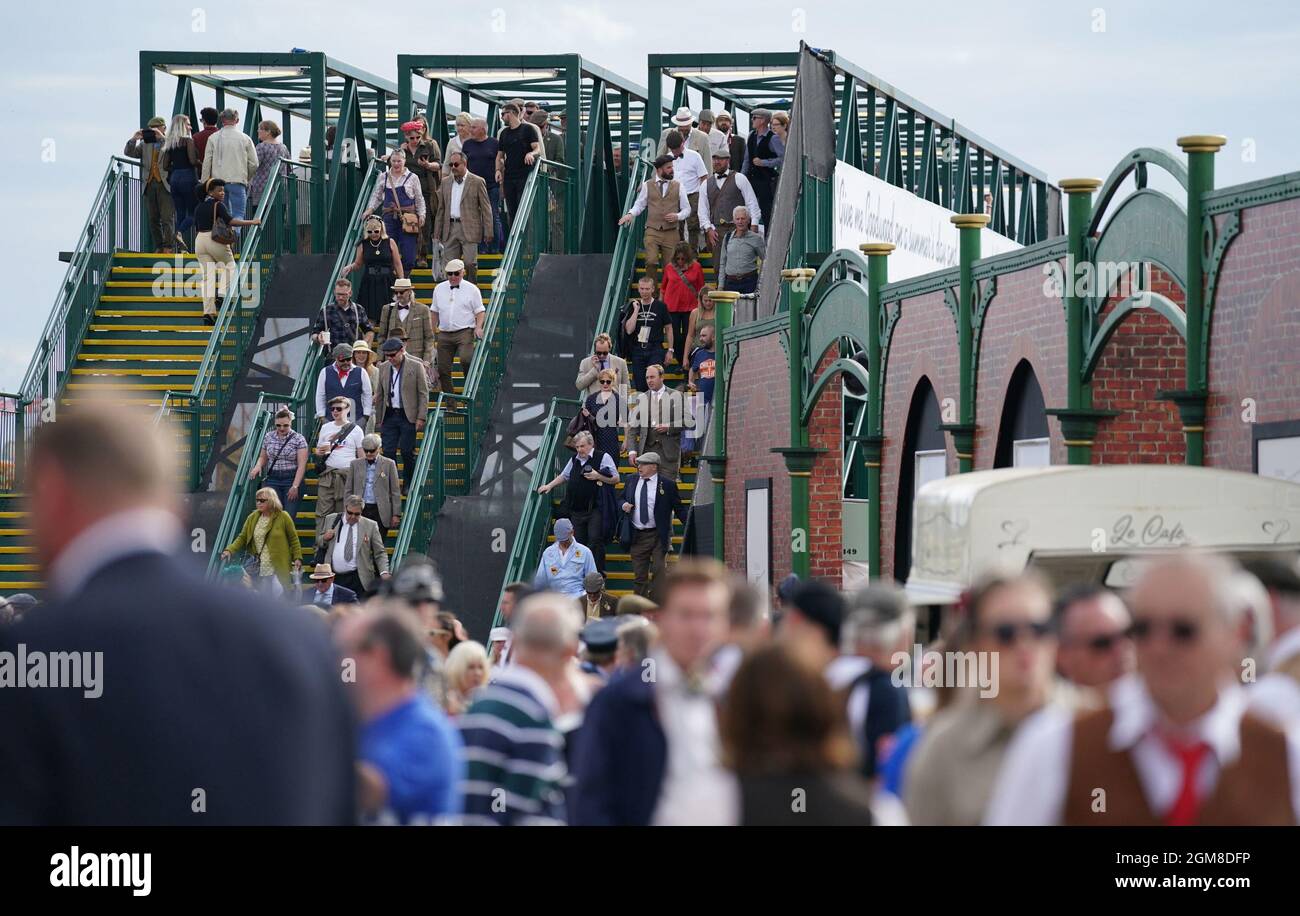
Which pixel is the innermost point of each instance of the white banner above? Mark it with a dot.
(868, 209)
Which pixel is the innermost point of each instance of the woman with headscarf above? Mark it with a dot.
(400, 200)
(381, 263)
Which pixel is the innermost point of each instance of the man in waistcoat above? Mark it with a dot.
(723, 193)
(1175, 745)
(342, 379)
(585, 474)
(666, 205)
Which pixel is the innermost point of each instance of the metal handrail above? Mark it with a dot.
(531, 530)
(79, 264)
(480, 389)
(620, 272)
(301, 401)
(626, 246)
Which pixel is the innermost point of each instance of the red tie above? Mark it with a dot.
(343, 376)
(1189, 756)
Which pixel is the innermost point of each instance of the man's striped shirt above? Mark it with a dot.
(514, 754)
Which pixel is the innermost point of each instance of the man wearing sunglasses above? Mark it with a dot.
(1175, 745)
(1092, 626)
(339, 443)
(465, 215)
(342, 378)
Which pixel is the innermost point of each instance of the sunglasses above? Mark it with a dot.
(371, 451)
(352, 514)
(394, 354)
(261, 499)
(606, 381)
(1106, 642)
(1180, 630)
(337, 409)
(453, 273)
(282, 426)
(1007, 634)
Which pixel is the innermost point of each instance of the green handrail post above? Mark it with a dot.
(963, 432)
(1200, 150)
(871, 445)
(724, 302)
(799, 458)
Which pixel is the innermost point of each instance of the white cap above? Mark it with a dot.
(499, 634)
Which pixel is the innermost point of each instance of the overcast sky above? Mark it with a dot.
(1068, 87)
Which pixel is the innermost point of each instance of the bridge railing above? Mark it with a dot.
(113, 223)
(534, 520)
(454, 427)
(302, 402)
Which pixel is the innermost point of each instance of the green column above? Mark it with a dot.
(963, 432)
(1078, 437)
(147, 102)
(1200, 150)
(724, 302)
(877, 254)
(320, 165)
(799, 457)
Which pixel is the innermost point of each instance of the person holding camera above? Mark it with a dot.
(214, 236)
(146, 145)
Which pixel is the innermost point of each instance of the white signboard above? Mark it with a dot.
(868, 209)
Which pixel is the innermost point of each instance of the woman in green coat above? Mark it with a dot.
(270, 536)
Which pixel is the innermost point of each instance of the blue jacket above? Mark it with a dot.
(620, 757)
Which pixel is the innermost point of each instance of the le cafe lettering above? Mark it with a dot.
(1152, 531)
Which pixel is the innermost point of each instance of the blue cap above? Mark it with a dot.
(602, 635)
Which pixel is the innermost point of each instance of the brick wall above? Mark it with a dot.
(1144, 356)
(924, 345)
(758, 419)
(826, 534)
(1021, 323)
(1255, 334)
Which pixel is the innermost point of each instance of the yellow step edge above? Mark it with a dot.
(22, 586)
(151, 313)
(146, 372)
(19, 567)
(140, 357)
(155, 328)
(151, 299)
(158, 256)
(119, 386)
(141, 343)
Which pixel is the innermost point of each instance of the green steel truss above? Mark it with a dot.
(302, 84)
(608, 109)
(879, 129)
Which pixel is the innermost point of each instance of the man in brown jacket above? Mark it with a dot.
(464, 215)
(374, 479)
(403, 402)
(414, 317)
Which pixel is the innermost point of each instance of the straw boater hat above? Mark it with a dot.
(402, 283)
(361, 347)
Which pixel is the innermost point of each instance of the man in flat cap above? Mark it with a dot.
(665, 202)
(596, 602)
(652, 501)
(764, 153)
(565, 564)
(402, 404)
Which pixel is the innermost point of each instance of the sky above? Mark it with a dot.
(1067, 87)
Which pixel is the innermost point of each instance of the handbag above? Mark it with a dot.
(222, 234)
(624, 536)
(580, 423)
(410, 219)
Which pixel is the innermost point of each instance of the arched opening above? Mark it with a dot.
(925, 458)
(1023, 440)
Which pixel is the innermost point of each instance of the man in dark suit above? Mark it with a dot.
(187, 703)
(652, 501)
(645, 715)
(403, 403)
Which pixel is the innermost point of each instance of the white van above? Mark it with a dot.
(1090, 523)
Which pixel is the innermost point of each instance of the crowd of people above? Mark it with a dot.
(707, 701)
